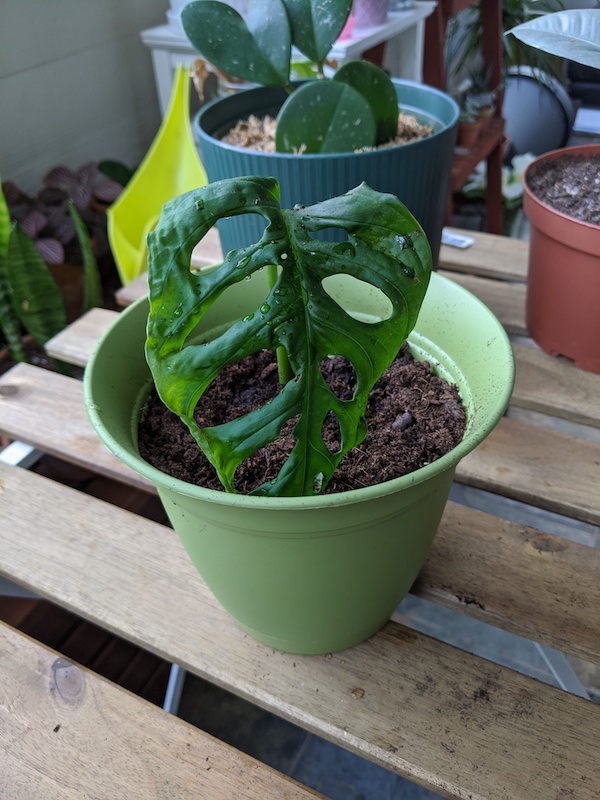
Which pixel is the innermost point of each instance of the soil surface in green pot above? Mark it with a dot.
(413, 417)
(570, 184)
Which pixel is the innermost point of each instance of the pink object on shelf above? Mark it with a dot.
(370, 12)
(348, 28)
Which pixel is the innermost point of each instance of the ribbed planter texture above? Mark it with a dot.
(418, 172)
(312, 574)
(563, 284)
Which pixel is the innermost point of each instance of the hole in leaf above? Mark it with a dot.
(238, 389)
(331, 433)
(265, 464)
(360, 300)
(339, 376)
(329, 235)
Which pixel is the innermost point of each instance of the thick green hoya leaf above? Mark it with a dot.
(573, 34)
(256, 50)
(385, 248)
(324, 117)
(37, 299)
(378, 90)
(316, 24)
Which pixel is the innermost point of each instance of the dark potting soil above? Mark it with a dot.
(570, 184)
(413, 417)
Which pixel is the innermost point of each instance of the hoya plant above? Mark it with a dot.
(301, 317)
(356, 108)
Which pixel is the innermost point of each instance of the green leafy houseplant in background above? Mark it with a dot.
(385, 248)
(572, 34)
(467, 29)
(356, 108)
(30, 300)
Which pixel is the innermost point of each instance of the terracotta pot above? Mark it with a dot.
(563, 292)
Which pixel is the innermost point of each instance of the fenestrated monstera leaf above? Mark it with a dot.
(385, 249)
(257, 49)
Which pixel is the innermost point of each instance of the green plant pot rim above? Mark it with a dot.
(503, 365)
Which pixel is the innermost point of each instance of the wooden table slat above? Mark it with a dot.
(427, 711)
(75, 343)
(569, 392)
(44, 419)
(107, 742)
(547, 469)
(491, 256)
(45, 409)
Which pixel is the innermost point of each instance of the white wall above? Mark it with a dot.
(76, 84)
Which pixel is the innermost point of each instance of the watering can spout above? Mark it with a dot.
(171, 167)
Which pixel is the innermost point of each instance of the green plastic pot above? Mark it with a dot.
(312, 574)
(418, 173)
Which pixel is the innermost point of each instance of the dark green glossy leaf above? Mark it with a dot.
(324, 117)
(316, 24)
(116, 171)
(37, 299)
(378, 90)
(385, 248)
(256, 50)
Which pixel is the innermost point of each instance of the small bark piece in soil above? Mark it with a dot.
(413, 418)
(570, 184)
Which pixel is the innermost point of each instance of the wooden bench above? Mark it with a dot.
(449, 720)
(67, 734)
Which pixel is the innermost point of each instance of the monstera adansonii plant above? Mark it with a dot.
(384, 248)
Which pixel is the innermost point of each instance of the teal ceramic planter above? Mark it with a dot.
(418, 173)
(312, 574)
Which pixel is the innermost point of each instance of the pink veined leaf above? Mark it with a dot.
(59, 176)
(51, 251)
(34, 222)
(12, 194)
(61, 224)
(52, 196)
(108, 191)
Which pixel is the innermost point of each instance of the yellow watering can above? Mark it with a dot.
(170, 168)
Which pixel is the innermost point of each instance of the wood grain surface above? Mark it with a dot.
(444, 718)
(67, 734)
(491, 256)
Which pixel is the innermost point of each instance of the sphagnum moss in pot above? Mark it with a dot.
(300, 569)
(331, 133)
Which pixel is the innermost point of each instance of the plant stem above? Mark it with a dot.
(283, 363)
